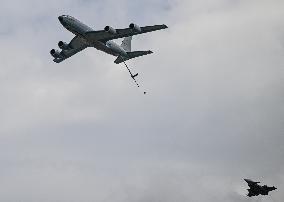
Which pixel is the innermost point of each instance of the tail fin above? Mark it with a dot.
(126, 44)
(131, 55)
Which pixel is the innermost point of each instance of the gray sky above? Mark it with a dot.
(82, 131)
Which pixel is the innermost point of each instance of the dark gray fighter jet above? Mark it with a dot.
(255, 189)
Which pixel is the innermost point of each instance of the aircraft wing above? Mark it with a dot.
(104, 36)
(250, 182)
(76, 45)
(250, 193)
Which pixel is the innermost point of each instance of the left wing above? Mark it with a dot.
(76, 45)
(104, 36)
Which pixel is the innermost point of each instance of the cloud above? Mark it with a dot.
(82, 131)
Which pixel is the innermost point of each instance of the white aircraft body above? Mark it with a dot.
(101, 40)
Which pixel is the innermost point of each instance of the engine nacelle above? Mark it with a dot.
(110, 30)
(63, 45)
(55, 53)
(135, 27)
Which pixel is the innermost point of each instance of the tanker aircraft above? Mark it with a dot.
(102, 40)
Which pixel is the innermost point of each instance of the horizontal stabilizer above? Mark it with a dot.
(131, 55)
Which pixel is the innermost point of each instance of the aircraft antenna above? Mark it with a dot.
(132, 76)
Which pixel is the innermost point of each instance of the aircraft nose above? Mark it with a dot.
(60, 18)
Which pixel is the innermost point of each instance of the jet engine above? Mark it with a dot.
(135, 27)
(110, 30)
(55, 53)
(63, 45)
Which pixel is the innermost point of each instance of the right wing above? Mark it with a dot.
(76, 45)
(104, 36)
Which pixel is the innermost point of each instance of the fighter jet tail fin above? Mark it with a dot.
(131, 55)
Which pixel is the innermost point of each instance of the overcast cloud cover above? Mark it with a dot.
(82, 131)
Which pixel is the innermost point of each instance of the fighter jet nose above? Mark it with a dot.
(60, 18)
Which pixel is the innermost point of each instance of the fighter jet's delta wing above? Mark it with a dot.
(76, 45)
(110, 34)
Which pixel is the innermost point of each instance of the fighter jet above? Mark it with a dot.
(101, 40)
(255, 189)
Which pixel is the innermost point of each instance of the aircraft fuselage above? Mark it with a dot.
(80, 29)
